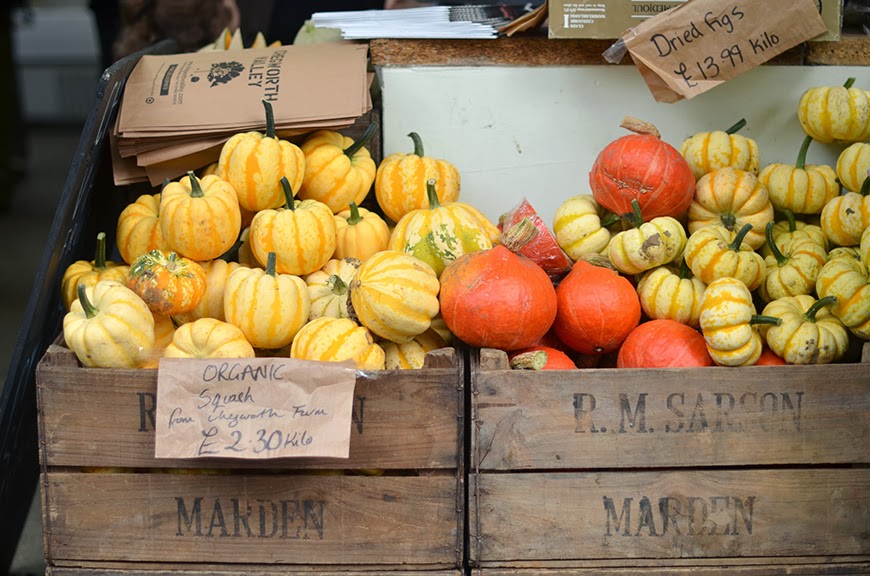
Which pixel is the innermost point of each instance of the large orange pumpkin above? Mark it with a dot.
(664, 344)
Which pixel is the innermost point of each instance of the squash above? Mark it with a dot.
(793, 270)
(439, 234)
(401, 182)
(652, 244)
(845, 218)
(212, 303)
(497, 299)
(714, 252)
(200, 219)
(336, 340)
(139, 229)
(731, 198)
(664, 344)
(864, 247)
(540, 247)
(253, 163)
(440, 326)
(727, 316)
(108, 326)
(848, 280)
(835, 113)
(581, 226)
(808, 333)
(843, 252)
(302, 235)
(644, 167)
(491, 229)
(853, 166)
(209, 338)
(168, 283)
(672, 294)
(802, 188)
(789, 228)
(411, 355)
(597, 309)
(359, 233)
(338, 170)
(768, 358)
(395, 296)
(245, 255)
(540, 358)
(328, 288)
(89, 273)
(164, 331)
(269, 308)
(709, 151)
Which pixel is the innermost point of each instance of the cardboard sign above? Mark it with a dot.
(253, 408)
(692, 48)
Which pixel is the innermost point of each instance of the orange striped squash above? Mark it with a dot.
(89, 273)
(254, 163)
(400, 185)
(793, 270)
(785, 230)
(268, 307)
(802, 188)
(302, 235)
(329, 339)
(212, 303)
(209, 338)
(845, 218)
(170, 284)
(709, 151)
(714, 252)
(849, 280)
(853, 166)
(359, 233)
(164, 330)
(669, 293)
(411, 355)
(139, 229)
(835, 113)
(731, 198)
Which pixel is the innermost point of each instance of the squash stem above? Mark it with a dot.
(685, 272)
(737, 127)
(609, 221)
(195, 188)
(535, 360)
(768, 234)
(810, 315)
(354, 148)
(288, 194)
(738, 240)
(418, 144)
(432, 194)
(339, 286)
(100, 252)
(728, 220)
(789, 216)
(355, 218)
(270, 119)
(271, 263)
(635, 218)
(759, 319)
(518, 235)
(232, 252)
(849, 83)
(865, 187)
(802, 153)
(90, 309)
(165, 184)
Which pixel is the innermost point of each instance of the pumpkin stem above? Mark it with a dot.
(270, 119)
(768, 234)
(599, 260)
(518, 235)
(810, 315)
(737, 127)
(354, 148)
(738, 240)
(418, 144)
(171, 260)
(355, 218)
(685, 273)
(802, 153)
(789, 216)
(165, 184)
(90, 309)
(849, 83)
(635, 218)
(432, 194)
(728, 220)
(535, 360)
(195, 188)
(339, 286)
(100, 252)
(639, 126)
(610, 220)
(232, 252)
(271, 263)
(759, 319)
(288, 194)
(865, 186)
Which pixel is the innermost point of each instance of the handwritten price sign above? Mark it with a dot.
(692, 48)
(253, 408)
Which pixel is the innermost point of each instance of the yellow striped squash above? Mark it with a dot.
(853, 166)
(731, 198)
(672, 294)
(714, 252)
(844, 252)
(785, 230)
(792, 270)
(835, 113)
(209, 338)
(439, 234)
(89, 273)
(212, 304)
(581, 227)
(864, 248)
(328, 288)
(709, 151)
(400, 185)
(848, 280)
(652, 244)
(335, 340)
(254, 163)
(268, 307)
(802, 188)
(139, 229)
(411, 355)
(491, 229)
(164, 331)
(845, 218)
(808, 332)
(359, 233)
(395, 296)
(246, 255)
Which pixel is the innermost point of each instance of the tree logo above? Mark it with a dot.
(223, 72)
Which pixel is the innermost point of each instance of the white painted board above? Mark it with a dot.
(535, 131)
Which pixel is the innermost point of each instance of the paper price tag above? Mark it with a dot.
(253, 408)
(694, 47)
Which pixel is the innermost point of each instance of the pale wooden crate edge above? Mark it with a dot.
(835, 568)
(202, 570)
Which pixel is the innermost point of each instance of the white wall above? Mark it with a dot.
(535, 131)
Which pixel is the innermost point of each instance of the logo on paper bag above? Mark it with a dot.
(223, 72)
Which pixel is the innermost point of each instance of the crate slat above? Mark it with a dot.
(831, 569)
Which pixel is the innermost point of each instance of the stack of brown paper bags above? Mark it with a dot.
(178, 110)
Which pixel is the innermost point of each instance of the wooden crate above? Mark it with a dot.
(108, 504)
(672, 470)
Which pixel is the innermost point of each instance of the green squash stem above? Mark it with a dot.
(609, 221)
(339, 286)
(270, 119)
(789, 216)
(685, 273)
(195, 188)
(802, 153)
(232, 252)
(271, 263)
(737, 127)
(810, 315)
(738, 240)
(759, 319)
(100, 252)
(90, 309)
(768, 233)
(355, 218)
(535, 360)
(518, 235)
(849, 83)
(432, 194)
(288, 194)
(418, 144)
(728, 220)
(354, 148)
(865, 187)
(165, 184)
(635, 218)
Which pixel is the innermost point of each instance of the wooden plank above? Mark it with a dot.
(608, 418)
(266, 519)
(836, 569)
(402, 419)
(197, 571)
(668, 563)
(540, 517)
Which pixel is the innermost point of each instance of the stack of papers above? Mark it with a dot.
(178, 110)
(428, 22)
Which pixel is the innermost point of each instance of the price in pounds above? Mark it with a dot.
(710, 68)
(264, 440)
